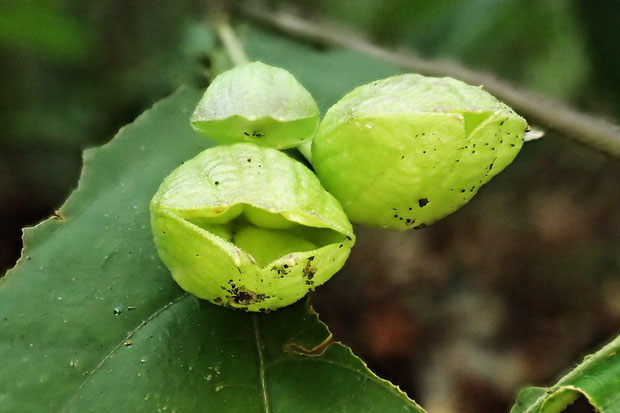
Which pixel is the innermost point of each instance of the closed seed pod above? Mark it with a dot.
(248, 227)
(257, 103)
(408, 150)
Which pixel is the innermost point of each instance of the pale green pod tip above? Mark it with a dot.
(248, 227)
(257, 103)
(408, 150)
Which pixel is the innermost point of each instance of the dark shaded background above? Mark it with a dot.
(511, 290)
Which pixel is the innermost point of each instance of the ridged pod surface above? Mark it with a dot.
(248, 227)
(257, 103)
(408, 150)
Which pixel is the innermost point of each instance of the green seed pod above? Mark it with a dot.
(408, 150)
(248, 227)
(257, 103)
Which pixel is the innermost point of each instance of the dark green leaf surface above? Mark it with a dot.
(597, 378)
(90, 320)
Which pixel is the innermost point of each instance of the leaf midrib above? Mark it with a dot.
(261, 363)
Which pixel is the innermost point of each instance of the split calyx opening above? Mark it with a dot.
(265, 235)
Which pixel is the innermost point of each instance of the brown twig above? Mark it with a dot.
(586, 129)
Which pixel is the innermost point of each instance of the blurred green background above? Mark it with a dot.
(510, 290)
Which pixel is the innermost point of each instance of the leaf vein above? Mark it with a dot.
(129, 335)
(261, 362)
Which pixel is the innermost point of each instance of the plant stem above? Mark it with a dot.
(231, 42)
(589, 130)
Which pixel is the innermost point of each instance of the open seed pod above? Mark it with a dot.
(408, 150)
(248, 227)
(257, 103)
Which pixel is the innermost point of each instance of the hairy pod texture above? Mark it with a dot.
(248, 227)
(408, 150)
(257, 103)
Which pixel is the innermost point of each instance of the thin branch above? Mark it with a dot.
(589, 130)
(231, 42)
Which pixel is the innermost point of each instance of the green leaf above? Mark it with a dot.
(597, 378)
(91, 320)
(44, 29)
